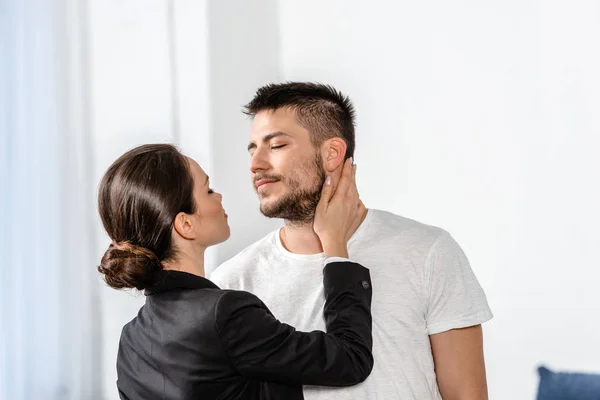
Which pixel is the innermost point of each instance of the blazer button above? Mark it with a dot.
(365, 284)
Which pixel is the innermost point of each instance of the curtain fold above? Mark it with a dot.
(48, 302)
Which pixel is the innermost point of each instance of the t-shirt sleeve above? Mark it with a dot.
(454, 297)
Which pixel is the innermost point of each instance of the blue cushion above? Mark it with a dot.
(567, 386)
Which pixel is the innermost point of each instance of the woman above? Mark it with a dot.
(192, 340)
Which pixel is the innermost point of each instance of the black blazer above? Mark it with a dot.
(192, 340)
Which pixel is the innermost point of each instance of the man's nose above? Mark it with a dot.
(258, 162)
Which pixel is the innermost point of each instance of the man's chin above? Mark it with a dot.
(272, 209)
(288, 215)
(299, 209)
(269, 212)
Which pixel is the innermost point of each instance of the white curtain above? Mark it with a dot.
(49, 344)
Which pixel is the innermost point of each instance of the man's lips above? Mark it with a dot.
(262, 182)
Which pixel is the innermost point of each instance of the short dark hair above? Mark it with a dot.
(139, 197)
(324, 111)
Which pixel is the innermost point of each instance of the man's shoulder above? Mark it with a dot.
(245, 259)
(418, 239)
(392, 225)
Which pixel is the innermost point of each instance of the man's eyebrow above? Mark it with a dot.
(267, 138)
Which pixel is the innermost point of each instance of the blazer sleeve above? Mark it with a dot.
(263, 348)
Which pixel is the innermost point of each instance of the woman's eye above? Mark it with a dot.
(210, 191)
(277, 147)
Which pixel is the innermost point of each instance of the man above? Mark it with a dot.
(428, 306)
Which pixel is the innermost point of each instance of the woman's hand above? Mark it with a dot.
(338, 213)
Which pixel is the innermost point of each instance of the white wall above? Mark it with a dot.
(482, 119)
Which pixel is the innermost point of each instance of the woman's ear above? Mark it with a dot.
(334, 153)
(184, 225)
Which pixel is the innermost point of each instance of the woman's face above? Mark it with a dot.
(212, 227)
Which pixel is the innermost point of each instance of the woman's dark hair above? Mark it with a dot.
(139, 197)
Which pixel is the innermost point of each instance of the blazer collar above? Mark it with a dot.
(172, 280)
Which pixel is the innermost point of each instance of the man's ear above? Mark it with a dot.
(334, 153)
(184, 226)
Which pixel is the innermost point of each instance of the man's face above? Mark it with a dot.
(286, 169)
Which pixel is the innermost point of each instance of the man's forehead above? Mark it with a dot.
(266, 118)
(267, 122)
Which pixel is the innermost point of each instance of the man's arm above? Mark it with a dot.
(459, 363)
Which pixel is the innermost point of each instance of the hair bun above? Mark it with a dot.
(126, 265)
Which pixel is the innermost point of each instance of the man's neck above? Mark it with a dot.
(301, 238)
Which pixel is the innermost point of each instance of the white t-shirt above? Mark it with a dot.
(422, 285)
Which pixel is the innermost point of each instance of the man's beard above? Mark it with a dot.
(298, 206)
